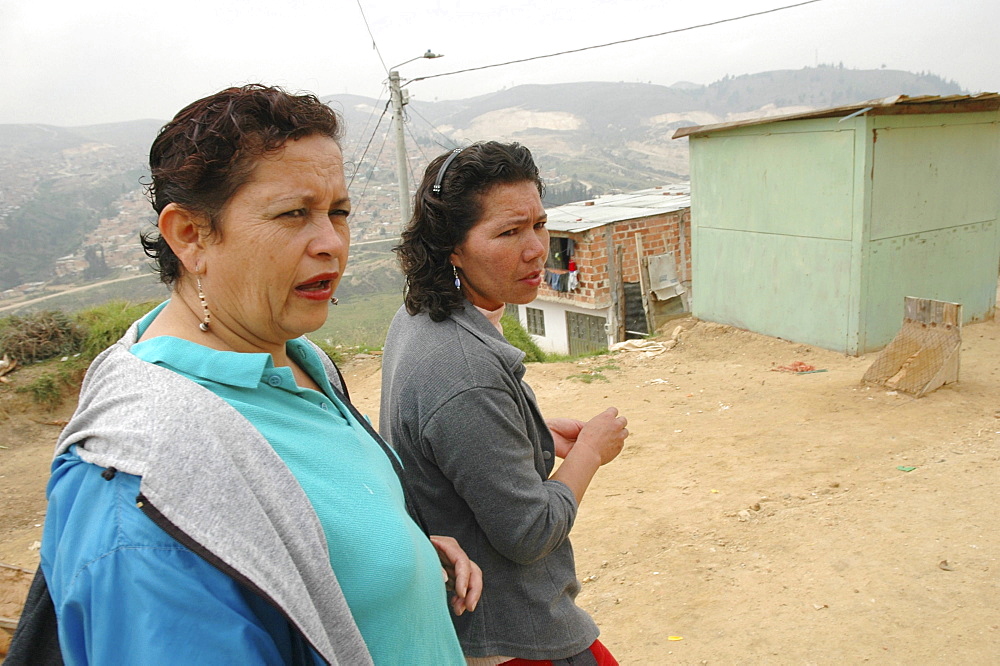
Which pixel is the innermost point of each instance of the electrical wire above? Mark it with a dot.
(620, 41)
(406, 157)
(385, 138)
(369, 122)
(435, 129)
(419, 149)
(368, 145)
(540, 57)
(371, 138)
(374, 45)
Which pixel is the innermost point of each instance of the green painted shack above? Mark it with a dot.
(813, 227)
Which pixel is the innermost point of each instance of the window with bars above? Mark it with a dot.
(536, 321)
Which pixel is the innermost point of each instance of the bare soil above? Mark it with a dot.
(755, 517)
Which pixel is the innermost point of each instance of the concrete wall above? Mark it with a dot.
(935, 196)
(815, 230)
(556, 338)
(773, 211)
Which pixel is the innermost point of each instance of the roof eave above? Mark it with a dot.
(897, 104)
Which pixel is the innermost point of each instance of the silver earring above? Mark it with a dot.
(334, 301)
(458, 283)
(204, 307)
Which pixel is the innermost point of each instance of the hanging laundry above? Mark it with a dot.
(552, 279)
(557, 279)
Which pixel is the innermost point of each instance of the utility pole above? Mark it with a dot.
(399, 98)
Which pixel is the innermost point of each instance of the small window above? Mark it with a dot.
(560, 252)
(536, 321)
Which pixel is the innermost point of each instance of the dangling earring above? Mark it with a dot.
(204, 306)
(334, 301)
(458, 283)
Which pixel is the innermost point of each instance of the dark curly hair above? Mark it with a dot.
(201, 157)
(442, 220)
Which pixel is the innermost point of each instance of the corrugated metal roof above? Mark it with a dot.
(898, 104)
(609, 208)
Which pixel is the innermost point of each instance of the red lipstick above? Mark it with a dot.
(317, 288)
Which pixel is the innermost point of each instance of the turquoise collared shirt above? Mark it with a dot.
(389, 572)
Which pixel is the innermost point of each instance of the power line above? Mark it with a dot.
(374, 45)
(419, 150)
(621, 41)
(368, 145)
(368, 124)
(435, 129)
(361, 161)
(364, 190)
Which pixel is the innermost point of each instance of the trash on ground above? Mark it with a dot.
(796, 367)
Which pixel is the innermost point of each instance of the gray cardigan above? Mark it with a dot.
(254, 519)
(477, 456)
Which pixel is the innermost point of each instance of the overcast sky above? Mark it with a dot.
(98, 61)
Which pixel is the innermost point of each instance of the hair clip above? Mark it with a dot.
(444, 167)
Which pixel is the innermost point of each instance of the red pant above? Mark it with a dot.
(599, 656)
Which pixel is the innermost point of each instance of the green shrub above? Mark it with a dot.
(44, 390)
(520, 338)
(38, 336)
(89, 333)
(49, 388)
(104, 324)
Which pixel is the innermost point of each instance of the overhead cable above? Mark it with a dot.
(374, 45)
(368, 145)
(621, 41)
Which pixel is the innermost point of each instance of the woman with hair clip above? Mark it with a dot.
(476, 451)
(216, 498)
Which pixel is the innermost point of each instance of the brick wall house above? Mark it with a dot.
(577, 309)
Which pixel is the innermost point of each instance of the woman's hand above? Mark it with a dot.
(597, 442)
(463, 577)
(564, 433)
(604, 434)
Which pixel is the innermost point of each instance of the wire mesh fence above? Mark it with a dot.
(924, 355)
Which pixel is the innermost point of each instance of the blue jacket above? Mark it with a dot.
(102, 581)
(234, 555)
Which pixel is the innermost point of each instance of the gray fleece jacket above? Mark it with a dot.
(477, 456)
(211, 475)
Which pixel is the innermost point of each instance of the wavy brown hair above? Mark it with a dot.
(441, 221)
(201, 157)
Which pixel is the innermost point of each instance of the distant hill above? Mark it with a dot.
(617, 136)
(58, 183)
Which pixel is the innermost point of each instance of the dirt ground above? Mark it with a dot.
(755, 517)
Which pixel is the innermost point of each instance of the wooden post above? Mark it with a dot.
(682, 273)
(615, 320)
(647, 305)
(621, 335)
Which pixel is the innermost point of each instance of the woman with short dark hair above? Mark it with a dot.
(216, 498)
